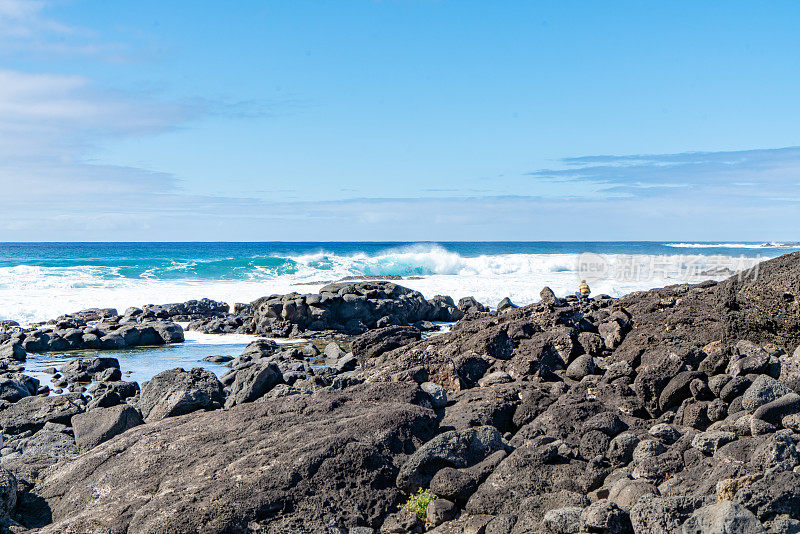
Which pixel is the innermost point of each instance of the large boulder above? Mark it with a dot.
(13, 351)
(291, 464)
(253, 382)
(16, 386)
(96, 426)
(762, 304)
(724, 517)
(31, 413)
(178, 392)
(376, 342)
(168, 332)
(774, 494)
(350, 307)
(457, 448)
(90, 366)
(8, 494)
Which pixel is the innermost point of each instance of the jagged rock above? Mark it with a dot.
(620, 450)
(439, 511)
(775, 493)
(376, 342)
(761, 305)
(8, 494)
(459, 484)
(605, 516)
(252, 383)
(438, 394)
(723, 518)
(506, 304)
(481, 406)
(16, 386)
(470, 305)
(657, 515)
(457, 448)
(178, 392)
(764, 389)
(31, 413)
(563, 520)
(709, 442)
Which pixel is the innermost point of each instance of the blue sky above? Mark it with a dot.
(399, 120)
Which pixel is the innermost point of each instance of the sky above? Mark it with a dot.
(399, 120)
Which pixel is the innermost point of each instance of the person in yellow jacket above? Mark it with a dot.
(584, 291)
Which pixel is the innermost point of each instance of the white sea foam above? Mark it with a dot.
(200, 338)
(33, 293)
(734, 245)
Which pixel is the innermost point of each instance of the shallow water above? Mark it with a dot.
(142, 363)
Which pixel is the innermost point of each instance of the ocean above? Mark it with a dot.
(39, 281)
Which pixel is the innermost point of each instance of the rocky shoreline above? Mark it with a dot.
(671, 410)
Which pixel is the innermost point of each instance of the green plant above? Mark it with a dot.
(418, 502)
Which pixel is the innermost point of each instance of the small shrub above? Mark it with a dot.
(418, 502)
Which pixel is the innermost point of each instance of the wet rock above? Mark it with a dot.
(218, 359)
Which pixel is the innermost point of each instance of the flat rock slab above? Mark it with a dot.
(96, 426)
(293, 464)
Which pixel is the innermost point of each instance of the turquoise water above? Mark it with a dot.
(39, 281)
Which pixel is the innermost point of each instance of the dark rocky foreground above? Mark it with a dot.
(672, 410)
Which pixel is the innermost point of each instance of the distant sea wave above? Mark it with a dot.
(41, 281)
